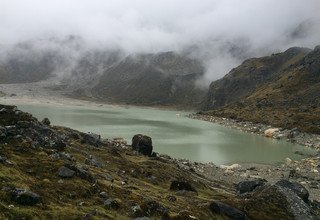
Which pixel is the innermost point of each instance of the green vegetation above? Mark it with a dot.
(289, 99)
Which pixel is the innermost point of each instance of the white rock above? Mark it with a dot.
(244, 175)
(231, 167)
(255, 176)
(270, 132)
(229, 171)
(288, 161)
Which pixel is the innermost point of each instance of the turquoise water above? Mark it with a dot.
(179, 137)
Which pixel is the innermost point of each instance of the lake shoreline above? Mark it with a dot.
(290, 135)
(304, 171)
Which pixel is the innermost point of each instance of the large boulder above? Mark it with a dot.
(65, 172)
(295, 187)
(249, 186)
(46, 121)
(92, 139)
(275, 202)
(153, 208)
(25, 197)
(181, 185)
(142, 144)
(220, 208)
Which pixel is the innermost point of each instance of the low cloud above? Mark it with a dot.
(220, 32)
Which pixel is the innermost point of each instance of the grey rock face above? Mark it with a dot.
(297, 188)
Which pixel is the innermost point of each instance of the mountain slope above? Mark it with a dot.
(29, 68)
(289, 97)
(250, 75)
(152, 79)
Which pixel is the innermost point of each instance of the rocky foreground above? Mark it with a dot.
(59, 173)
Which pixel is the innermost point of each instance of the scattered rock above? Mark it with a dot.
(220, 208)
(142, 144)
(103, 195)
(152, 208)
(171, 198)
(3, 159)
(92, 139)
(142, 218)
(25, 197)
(120, 141)
(288, 161)
(249, 186)
(108, 177)
(136, 211)
(66, 172)
(93, 162)
(293, 133)
(63, 156)
(82, 172)
(231, 167)
(111, 203)
(181, 185)
(46, 121)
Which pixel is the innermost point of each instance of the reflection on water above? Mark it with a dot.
(176, 136)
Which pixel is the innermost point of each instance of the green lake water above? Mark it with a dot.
(179, 137)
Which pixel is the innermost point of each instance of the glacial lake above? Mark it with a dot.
(178, 137)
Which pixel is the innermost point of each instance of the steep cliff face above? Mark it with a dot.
(152, 79)
(250, 75)
(289, 98)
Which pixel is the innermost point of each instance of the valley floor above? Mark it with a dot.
(305, 172)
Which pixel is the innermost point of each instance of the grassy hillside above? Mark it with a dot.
(291, 98)
(50, 172)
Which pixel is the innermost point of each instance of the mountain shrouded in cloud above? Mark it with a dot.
(221, 33)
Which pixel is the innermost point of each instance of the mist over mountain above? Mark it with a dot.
(221, 34)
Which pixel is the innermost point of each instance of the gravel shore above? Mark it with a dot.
(293, 135)
(305, 171)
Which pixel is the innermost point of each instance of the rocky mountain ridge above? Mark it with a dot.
(281, 90)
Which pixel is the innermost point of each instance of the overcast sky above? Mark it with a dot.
(160, 25)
